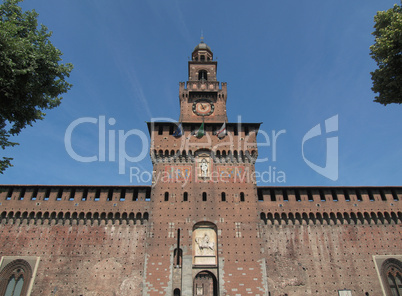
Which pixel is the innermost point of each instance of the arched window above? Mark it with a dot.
(223, 196)
(15, 278)
(202, 75)
(204, 196)
(185, 196)
(241, 196)
(166, 196)
(395, 283)
(176, 292)
(391, 275)
(14, 287)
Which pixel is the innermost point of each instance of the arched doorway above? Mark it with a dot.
(205, 284)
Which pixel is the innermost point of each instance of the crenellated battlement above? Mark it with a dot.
(332, 218)
(327, 194)
(74, 218)
(73, 199)
(130, 204)
(330, 205)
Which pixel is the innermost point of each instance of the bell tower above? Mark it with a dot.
(204, 195)
(203, 98)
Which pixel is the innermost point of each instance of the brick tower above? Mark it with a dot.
(204, 221)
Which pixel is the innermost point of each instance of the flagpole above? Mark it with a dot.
(203, 116)
(203, 128)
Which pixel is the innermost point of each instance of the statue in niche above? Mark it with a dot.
(204, 243)
(204, 168)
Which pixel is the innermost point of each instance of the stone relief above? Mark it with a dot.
(204, 243)
(205, 246)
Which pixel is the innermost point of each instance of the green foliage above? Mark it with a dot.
(31, 75)
(387, 52)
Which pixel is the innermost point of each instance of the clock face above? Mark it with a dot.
(203, 107)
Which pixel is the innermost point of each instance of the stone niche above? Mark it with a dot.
(203, 165)
(205, 244)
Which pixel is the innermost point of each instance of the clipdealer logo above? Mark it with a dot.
(330, 170)
(109, 138)
(122, 155)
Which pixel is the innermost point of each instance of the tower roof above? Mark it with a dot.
(202, 52)
(202, 45)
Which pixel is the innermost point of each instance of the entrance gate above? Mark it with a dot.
(205, 284)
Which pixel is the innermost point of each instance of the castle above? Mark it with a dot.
(203, 227)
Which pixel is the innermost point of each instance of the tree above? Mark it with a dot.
(31, 75)
(387, 52)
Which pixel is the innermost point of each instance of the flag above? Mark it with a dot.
(221, 133)
(178, 132)
(200, 132)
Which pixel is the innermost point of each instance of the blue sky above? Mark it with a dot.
(288, 64)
